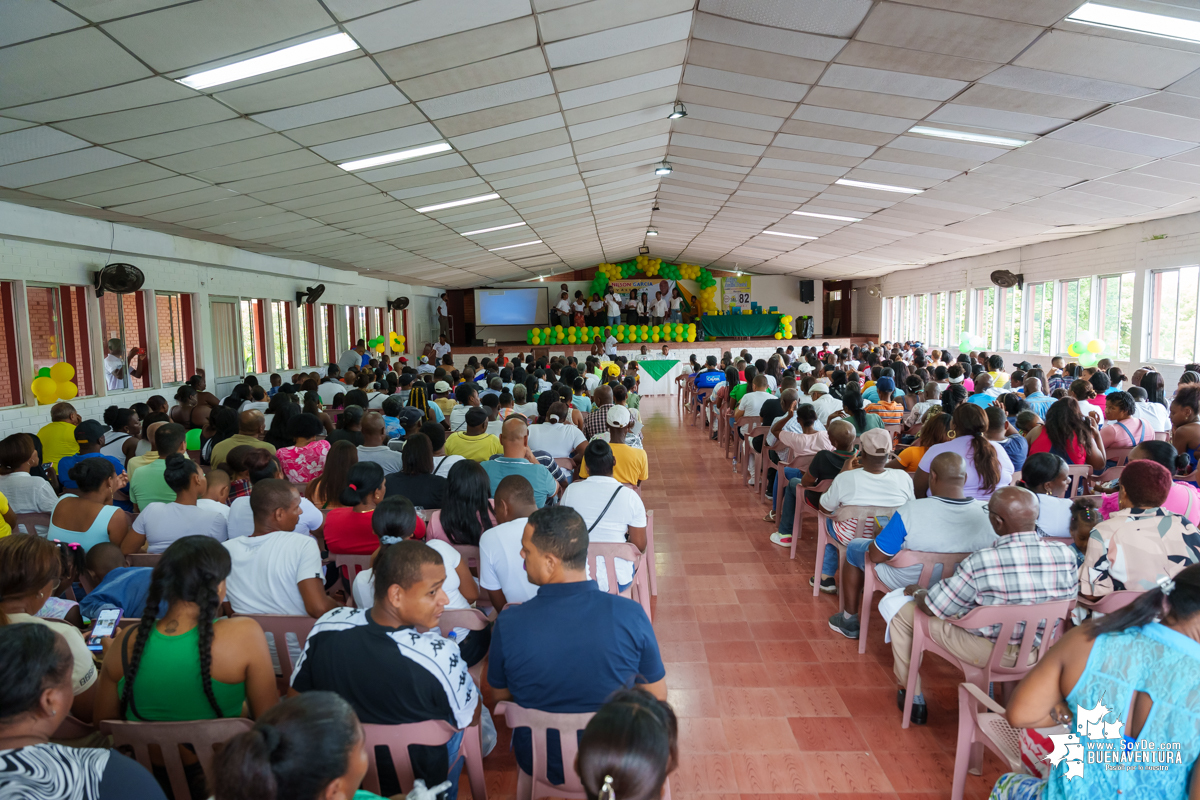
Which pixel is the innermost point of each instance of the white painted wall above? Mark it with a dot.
(1129, 248)
(47, 247)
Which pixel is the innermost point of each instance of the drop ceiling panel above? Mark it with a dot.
(945, 32)
(64, 165)
(619, 41)
(829, 17)
(76, 61)
(759, 63)
(1108, 59)
(842, 76)
(424, 20)
(503, 68)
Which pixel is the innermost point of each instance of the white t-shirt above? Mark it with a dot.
(500, 564)
(442, 309)
(163, 523)
(458, 418)
(111, 365)
(330, 389)
(610, 345)
(267, 569)
(28, 494)
(752, 403)
(563, 306)
(558, 439)
(676, 302)
(596, 305)
(528, 409)
(441, 350)
(241, 519)
(250, 405)
(890, 489)
(213, 505)
(660, 307)
(591, 380)
(1153, 414)
(363, 589)
(384, 456)
(442, 464)
(626, 511)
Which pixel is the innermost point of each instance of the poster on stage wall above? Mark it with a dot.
(648, 285)
(736, 292)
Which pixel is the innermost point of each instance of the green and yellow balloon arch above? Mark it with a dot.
(667, 332)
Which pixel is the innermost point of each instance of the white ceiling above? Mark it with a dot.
(560, 107)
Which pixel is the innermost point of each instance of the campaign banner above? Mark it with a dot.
(735, 292)
(648, 285)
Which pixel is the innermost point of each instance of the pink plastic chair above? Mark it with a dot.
(978, 728)
(802, 509)
(279, 626)
(905, 558)
(202, 735)
(1162, 436)
(349, 567)
(860, 516)
(800, 462)
(1118, 454)
(639, 590)
(531, 787)
(397, 738)
(30, 522)
(1054, 614)
(1114, 601)
(741, 445)
(434, 529)
(1078, 473)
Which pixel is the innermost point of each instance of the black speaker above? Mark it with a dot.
(806, 291)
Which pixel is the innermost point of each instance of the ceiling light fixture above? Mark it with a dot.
(679, 110)
(497, 228)
(541, 278)
(964, 136)
(827, 216)
(511, 246)
(663, 169)
(466, 201)
(1140, 21)
(391, 158)
(883, 187)
(790, 235)
(652, 232)
(271, 62)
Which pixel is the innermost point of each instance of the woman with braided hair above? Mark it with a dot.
(182, 665)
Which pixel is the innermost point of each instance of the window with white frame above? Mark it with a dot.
(1075, 310)
(985, 315)
(1011, 305)
(939, 319)
(958, 317)
(281, 335)
(921, 327)
(1041, 307)
(1114, 313)
(1173, 295)
(905, 318)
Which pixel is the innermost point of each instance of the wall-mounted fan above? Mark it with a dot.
(875, 290)
(399, 304)
(310, 295)
(1007, 280)
(118, 279)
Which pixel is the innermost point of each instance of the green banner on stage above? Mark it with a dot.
(740, 326)
(657, 368)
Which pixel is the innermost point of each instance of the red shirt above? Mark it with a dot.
(348, 532)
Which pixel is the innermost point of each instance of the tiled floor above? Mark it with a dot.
(771, 702)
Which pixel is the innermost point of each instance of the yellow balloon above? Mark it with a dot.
(44, 386)
(1094, 346)
(654, 337)
(778, 335)
(691, 337)
(62, 372)
(65, 390)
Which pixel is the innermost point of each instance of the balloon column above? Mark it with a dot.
(53, 383)
(1088, 349)
(785, 327)
(396, 342)
(668, 332)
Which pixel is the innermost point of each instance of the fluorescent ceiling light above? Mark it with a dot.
(963, 136)
(790, 235)
(1140, 21)
(663, 169)
(652, 232)
(272, 62)
(883, 187)
(511, 246)
(827, 216)
(454, 203)
(497, 228)
(391, 158)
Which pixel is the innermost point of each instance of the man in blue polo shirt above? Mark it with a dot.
(567, 649)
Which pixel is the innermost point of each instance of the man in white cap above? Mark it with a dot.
(632, 466)
(823, 402)
(864, 480)
(425, 367)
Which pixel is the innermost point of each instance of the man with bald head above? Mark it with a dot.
(252, 426)
(1039, 402)
(945, 522)
(595, 422)
(1020, 568)
(518, 459)
(374, 447)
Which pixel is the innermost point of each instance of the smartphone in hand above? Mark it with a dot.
(106, 625)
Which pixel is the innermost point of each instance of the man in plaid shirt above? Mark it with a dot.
(1022, 568)
(595, 421)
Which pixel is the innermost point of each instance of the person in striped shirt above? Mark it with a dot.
(891, 412)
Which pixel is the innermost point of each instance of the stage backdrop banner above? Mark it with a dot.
(624, 286)
(736, 292)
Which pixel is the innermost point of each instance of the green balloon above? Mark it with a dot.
(44, 372)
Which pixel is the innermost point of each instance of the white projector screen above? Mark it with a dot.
(510, 307)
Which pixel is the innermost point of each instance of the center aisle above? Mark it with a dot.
(770, 700)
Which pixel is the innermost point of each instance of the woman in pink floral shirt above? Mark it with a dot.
(304, 460)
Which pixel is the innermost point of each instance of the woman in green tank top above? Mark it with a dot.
(185, 666)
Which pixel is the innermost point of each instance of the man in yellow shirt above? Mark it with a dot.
(475, 443)
(58, 436)
(632, 467)
(8, 517)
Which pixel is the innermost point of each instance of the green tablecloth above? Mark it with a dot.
(740, 326)
(657, 368)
